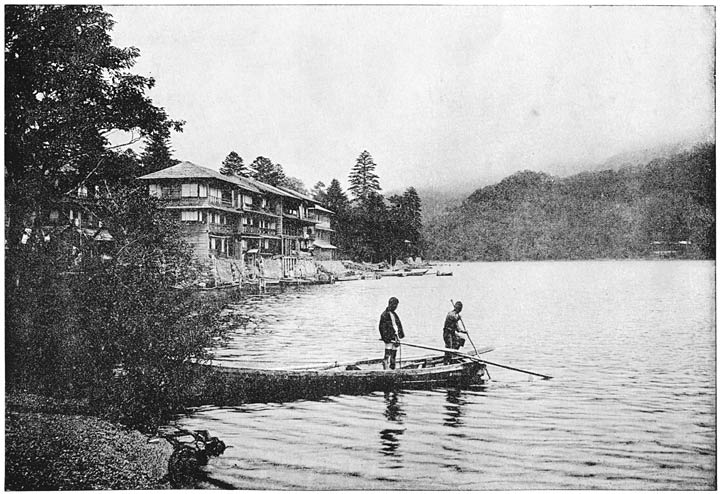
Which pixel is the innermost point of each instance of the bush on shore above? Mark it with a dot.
(112, 330)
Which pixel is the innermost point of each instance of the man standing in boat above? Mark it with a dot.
(451, 329)
(390, 332)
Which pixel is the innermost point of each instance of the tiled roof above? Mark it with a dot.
(187, 169)
(322, 209)
(269, 188)
(298, 195)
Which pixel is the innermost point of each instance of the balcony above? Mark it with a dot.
(198, 201)
(221, 229)
(254, 208)
(250, 230)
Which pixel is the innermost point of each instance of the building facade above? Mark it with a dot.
(236, 217)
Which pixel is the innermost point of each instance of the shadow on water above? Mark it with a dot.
(390, 436)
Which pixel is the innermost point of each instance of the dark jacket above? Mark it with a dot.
(387, 331)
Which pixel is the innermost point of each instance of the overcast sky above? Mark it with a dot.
(436, 94)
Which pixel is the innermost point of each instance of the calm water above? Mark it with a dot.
(631, 346)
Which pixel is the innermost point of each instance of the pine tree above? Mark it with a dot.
(233, 165)
(363, 180)
(295, 184)
(319, 192)
(157, 154)
(335, 199)
(266, 171)
(405, 219)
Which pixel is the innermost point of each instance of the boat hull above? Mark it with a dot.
(229, 385)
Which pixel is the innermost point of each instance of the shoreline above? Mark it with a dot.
(57, 445)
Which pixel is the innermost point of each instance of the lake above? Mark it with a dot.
(632, 406)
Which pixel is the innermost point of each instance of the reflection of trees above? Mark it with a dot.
(389, 437)
(454, 407)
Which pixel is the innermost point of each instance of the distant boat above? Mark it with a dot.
(444, 273)
(403, 272)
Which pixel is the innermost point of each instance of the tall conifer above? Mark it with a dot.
(363, 180)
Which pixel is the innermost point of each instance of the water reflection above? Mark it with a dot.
(390, 436)
(454, 407)
(393, 412)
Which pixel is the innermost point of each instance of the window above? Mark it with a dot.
(248, 200)
(155, 190)
(203, 190)
(189, 216)
(82, 191)
(54, 215)
(189, 190)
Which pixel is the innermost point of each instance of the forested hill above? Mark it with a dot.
(625, 213)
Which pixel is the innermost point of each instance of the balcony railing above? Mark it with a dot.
(256, 208)
(250, 229)
(224, 229)
(198, 201)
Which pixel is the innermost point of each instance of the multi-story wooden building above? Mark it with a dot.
(322, 243)
(229, 216)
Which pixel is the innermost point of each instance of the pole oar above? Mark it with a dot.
(472, 357)
(437, 349)
(464, 328)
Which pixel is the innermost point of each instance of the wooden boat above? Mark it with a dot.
(417, 272)
(444, 273)
(402, 272)
(386, 273)
(232, 385)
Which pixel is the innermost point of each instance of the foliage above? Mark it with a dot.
(368, 230)
(363, 180)
(265, 170)
(157, 154)
(114, 329)
(85, 320)
(630, 212)
(405, 216)
(319, 192)
(66, 89)
(295, 184)
(233, 165)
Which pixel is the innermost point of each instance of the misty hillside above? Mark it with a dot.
(631, 210)
(437, 199)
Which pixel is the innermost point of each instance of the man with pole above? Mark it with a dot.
(390, 332)
(451, 331)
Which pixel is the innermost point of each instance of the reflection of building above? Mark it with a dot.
(229, 216)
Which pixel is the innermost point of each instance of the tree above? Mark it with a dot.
(319, 193)
(118, 331)
(233, 165)
(405, 217)
(371, 229)
(295, 184)
(363, 180)
(157, 154)
(266, 171)
(336, 200)
(66, 89)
